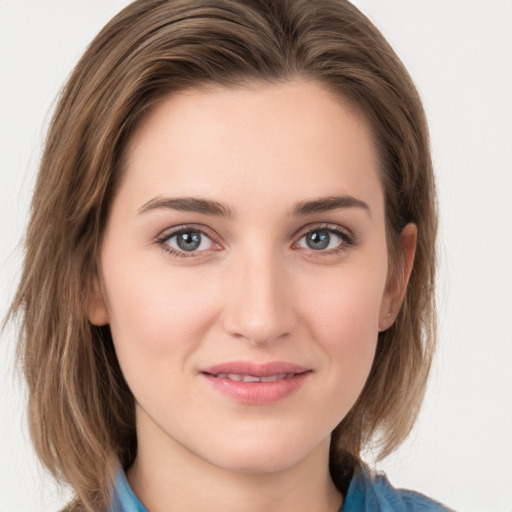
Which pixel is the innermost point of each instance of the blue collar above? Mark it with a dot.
(124, 498)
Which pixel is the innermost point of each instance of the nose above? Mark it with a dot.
(259, 299)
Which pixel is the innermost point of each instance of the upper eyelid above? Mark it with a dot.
(183, 228)
(336, 228)
(208, 231)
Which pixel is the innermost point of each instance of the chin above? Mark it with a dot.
(270, 453)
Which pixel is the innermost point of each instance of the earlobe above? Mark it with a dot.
(97, 308)
(397, 285)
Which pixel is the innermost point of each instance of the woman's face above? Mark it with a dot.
(245, 273)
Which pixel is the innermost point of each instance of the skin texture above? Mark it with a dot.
(254, 290)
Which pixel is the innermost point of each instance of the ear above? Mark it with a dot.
(397, 280)
(97, 310)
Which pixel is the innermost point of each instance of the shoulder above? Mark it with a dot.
(373, 492)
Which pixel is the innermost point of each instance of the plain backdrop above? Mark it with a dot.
(459, 53)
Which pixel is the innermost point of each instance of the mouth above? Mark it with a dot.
(238, 377)
(256, 384)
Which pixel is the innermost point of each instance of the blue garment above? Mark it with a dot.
(365, 494)
(375, 494)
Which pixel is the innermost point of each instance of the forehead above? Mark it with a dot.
(229, 142)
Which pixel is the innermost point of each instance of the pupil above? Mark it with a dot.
(189, 241)
(318, 240)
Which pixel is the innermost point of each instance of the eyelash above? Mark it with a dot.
(347, 239)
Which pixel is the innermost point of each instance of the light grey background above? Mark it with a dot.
(460, 54)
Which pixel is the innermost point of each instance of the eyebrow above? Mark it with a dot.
(187, 204)
(325, 204)
(209, 207)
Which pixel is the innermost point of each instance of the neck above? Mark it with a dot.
(176, 479)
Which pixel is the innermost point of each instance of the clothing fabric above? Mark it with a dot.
(366, 493)
(374, 493)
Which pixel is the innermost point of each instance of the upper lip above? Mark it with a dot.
(255, 369)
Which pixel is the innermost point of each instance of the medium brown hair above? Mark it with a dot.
(80, 410)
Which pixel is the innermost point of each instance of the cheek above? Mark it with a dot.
(344, 319)
(157, 321)
(351, 338)
(346, 307)
(154, 314)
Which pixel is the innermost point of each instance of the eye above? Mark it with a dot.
(186, 242)
(324, 239)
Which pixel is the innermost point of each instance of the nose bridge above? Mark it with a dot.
(258, 307)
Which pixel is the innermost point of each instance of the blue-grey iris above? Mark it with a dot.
(318, 240)
(188, 241)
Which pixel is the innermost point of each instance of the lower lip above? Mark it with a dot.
(257, 393)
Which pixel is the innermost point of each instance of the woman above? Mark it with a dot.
(229, 274)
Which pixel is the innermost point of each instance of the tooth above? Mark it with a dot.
(237, 377)
(250, 378)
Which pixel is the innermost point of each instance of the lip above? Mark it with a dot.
(290, 378)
